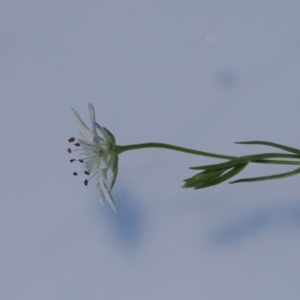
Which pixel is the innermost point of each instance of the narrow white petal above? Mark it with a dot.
(113, 161)
(92, 113)
(93, 119)
(107, 195)
(101, 194)
(103, 162)
(103, 175)
(84, 130)
(114, 176)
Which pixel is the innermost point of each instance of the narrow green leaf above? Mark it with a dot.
(198, 176)
(277, 162)
(225, 165)
(279, 146)
(202, 178)
(222, 178)
(278, 176)
(257, 158)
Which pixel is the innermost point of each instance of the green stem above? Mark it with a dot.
(121, 149)
(257, 158)
(283, 147)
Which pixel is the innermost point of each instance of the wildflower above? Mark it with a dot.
(99, 155)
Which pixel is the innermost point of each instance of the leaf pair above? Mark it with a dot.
(217, 173)
(211, 176)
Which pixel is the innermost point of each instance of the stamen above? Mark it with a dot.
(71, 160)
(80, 160)
(69, 150)
(86, 173)
(77, 145)
(71, 140)
(75, 173)
(93, 176)
(86, 182)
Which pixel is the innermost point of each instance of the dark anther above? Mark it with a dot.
(77, 145)
(71, 140)
(75, 174)
(71, 160)
(86, 173)
(69, 150)
(80, 160)
(86, 182)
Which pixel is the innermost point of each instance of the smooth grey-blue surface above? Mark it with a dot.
(200, 74)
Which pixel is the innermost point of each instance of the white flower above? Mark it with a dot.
(99, 156)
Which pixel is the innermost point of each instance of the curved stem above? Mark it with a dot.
(258, 158)
(121, 149)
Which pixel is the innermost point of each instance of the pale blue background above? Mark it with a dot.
(199, 74)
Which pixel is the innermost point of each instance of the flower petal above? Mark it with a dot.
(101, 194)
(107, 195)
(92, 113)
(114, 176)
(84, 130)
(96, 138)
(104, 161)
(103, 175)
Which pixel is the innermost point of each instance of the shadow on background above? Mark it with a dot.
(226, 79)
(256, 222)
(127, 226)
